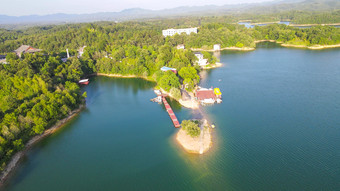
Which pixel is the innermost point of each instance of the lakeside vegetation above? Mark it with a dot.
(36, 91)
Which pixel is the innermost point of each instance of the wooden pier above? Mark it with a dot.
(171, 113)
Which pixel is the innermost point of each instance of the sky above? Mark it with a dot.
(44, 7)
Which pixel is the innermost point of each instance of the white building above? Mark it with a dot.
(171, 32)
(217, 47)
(81, 51)
(199, 55)
(201, 61)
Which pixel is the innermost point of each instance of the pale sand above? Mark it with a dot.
(226, 48)
(123, 76)
(257, 41)
(313, 47)
(197, 145)
(19, 155)
(191, 104)
(310, 25)
(216, 65)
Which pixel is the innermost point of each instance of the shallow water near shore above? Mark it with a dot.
(278, 128)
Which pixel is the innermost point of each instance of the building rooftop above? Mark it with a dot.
(26, 49)
(81, 49)
(203, 94)
(165, 68)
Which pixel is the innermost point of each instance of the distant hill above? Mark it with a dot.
(137, 13)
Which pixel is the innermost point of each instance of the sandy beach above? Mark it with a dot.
(196, 145)
(122, 76)
(216, 65)
(313, 47)
(226, 48)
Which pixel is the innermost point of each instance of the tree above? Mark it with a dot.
(169, 80)
(18, 145)
(189, 73)
(190, 77)
(191, 128)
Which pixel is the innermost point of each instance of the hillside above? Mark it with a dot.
(209, 10)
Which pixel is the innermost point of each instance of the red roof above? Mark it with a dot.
(205, 94)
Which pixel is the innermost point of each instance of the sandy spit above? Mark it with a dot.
(196, 145)
(121, 76)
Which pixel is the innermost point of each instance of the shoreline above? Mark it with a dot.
(191, 104)
(225, 48)
(310, 25)
(16, 158)
(290, 24)
(122, 76)
(216, 65)
(312, 47)
(258, 41)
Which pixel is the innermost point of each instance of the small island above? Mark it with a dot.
(195, 136)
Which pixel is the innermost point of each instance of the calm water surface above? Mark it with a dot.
(278, 128)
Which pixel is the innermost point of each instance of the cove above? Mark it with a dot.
(278, 128)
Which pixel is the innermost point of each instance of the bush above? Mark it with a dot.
(191, 128)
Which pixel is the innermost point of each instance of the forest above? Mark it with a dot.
(39, 89)
(109, 38)
(36, 91)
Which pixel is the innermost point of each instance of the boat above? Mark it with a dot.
(157, 99)
(157, 92)
(218, 100)
(84, 81)
(208, 101)
(213, 126)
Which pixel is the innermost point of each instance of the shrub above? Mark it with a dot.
(191, 128)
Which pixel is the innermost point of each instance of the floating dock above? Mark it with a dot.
(171, 113)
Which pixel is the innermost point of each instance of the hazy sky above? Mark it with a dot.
(43, 7)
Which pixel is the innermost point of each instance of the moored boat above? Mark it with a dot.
(84, 81)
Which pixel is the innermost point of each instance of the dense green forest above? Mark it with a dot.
(35, 92)
(107, 38)
(38, 90)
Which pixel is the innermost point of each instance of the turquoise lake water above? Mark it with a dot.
(278, 128)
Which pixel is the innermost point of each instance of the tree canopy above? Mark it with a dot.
(191, 128)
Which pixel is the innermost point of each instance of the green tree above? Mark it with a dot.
(169, 80)
(18, 145)
(191, 128)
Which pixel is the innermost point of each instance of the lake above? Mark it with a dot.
(278, 128)
(250, 25)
